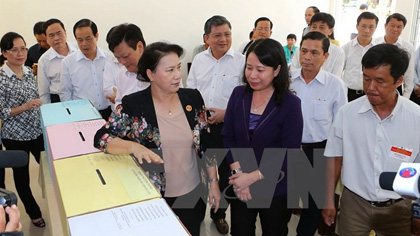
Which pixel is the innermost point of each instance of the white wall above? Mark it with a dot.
(406, 7)
(178, 21)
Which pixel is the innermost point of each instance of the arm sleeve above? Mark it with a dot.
(228, 132)
(110, 75)
(119, 125)
(334, 146)
(339, 63)
(43, 83)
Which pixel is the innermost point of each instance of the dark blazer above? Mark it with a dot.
(278, 127)
(135, 120)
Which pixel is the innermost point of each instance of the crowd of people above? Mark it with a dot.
(353, 100)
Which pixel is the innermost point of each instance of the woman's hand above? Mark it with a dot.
(34, 103)
(141, 152)
(214, 195)
(244, 194)
(242, 180)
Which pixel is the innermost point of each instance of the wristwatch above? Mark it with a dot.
(235, 171)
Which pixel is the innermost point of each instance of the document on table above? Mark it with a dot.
(100, 181)
(153, 217)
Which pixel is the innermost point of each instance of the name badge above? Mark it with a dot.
(401, 154)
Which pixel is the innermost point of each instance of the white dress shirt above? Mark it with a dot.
(364, 141)
(320, 101)
(216, 79)
(127, 83)
(353, 74)
(334, 63)
(49, 66)
(408, 83)
(82, 78)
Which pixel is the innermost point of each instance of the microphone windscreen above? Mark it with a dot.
(13, 158)
(386, 179)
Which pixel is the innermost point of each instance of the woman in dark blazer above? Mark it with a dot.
(172, 121)
(260, 115)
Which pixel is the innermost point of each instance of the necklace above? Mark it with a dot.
(257, 107)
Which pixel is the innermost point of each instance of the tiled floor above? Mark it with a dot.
(207, 228)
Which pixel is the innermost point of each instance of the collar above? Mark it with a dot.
(230, 53)
(366, 106)
(355, 42)
(321, 77)
(54, 54)
(99, 54)
(10, 73)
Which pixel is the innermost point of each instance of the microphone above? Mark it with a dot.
(386, 179)
(13, 158)
(405, 182)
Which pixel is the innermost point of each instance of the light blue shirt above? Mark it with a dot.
(320, 101)
(82, 78)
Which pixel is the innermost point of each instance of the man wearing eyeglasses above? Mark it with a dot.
(215, 73)
(262, 29)
(50, 62)
(81, 75)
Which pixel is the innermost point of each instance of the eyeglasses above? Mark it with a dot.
(15, 51)
(263, 29)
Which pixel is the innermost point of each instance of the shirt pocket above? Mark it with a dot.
(321, 110)
(228, 84)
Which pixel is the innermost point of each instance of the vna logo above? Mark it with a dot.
(408, 172)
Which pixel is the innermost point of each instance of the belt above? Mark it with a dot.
(314, 145)
(378, 204)
(385, 203)
(357, 91)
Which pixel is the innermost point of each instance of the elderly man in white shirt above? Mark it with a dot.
(82, 72)
(324, 23)
(394, 26)
(49, 64)
(322, 94)
(215, 73)
(383, 117)
(354, 51)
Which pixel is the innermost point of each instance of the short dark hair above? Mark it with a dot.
(251, 34)
(129, 33)
(6, 43)
(398, 17)
(369, 16)
(271, 53)
(152, 55)
(315, 9)
(291, 36)
(387, 54)
(50, 22)
(315, 35)
(325, 18)
(85, 23)
(39, 27)
(263, 19)
(215, 21)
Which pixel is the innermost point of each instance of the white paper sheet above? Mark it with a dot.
(152, 217)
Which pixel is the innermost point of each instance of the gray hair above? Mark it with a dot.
(215, 21)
